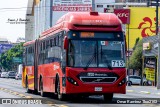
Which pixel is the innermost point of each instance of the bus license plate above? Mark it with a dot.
(98, 89)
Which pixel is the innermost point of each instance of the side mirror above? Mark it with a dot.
(65, 43)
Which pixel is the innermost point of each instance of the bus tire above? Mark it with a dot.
(60, 96)
(27, 88)
(108, 97)
(42, 93)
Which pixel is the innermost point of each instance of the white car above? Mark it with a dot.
(11, 74)
(4, 74)
(136, 80)
(133, 79)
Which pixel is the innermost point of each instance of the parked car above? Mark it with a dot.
(146, 82)
(136, 80)
(11, 74)
(18, 76)
(4, 74)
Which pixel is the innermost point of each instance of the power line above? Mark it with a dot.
(23, 8)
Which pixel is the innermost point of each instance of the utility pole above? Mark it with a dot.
(156, 3)
(93, 5)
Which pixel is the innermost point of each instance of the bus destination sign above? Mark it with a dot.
(87, 34)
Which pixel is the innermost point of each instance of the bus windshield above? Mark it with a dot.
(96, 53)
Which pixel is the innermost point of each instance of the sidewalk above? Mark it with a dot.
(143, 89)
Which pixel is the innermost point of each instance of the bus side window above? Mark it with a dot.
(60, 39)
(47, 44)
(51, 42)
(57, 41)
(40, 53)
(25, 56)
(54, 42)
(44, 47)
(41, 46)
(30, 56)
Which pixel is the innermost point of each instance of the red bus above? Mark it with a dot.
(83, 54)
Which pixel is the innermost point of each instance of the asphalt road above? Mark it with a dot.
(11, 88)
(10, 100)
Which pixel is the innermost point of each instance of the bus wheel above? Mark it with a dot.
(60, 96)
(27, 88)
(108, 97)
(43, 94)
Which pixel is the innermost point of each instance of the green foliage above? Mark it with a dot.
(6, 58)
(137, 40)
(135, 61)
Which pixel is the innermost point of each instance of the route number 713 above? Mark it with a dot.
(118, 63)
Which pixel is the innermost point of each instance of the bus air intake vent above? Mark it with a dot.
(91, 77)
(95, 26)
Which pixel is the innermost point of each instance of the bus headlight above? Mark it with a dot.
(72, 81)
(122, 82)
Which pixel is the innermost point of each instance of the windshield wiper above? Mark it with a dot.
(109, 66)
(91, 59)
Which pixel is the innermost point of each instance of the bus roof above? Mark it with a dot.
(87, 21)
(29, 42)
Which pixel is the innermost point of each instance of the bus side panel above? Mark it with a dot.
(30, 76)
(48, 73)
(24, 77)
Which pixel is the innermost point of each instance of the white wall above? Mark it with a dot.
(103, 3)
(29, 28)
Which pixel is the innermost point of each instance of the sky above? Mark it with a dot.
(8, 13)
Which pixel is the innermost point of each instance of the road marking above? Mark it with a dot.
(49, 102)
(2, 88)
(56, 105)
(28, 97)
(130, 91)
(63, 106)
(21, 95)
(15, 93)
(10, 91)
(158, 93)
(6, 90)
(145, 92)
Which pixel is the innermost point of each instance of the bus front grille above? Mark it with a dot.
(98, 79)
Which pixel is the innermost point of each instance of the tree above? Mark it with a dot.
(136, 42)
(7, 57)
(135, 61)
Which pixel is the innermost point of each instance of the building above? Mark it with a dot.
(150, 58)
(4, 40)
(29, 27)
(20, 39)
